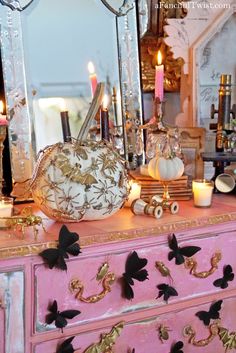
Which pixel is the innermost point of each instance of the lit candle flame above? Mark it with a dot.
(1, 107)
(62, 104)
(91, 68)
(105, 101)
(159, 58)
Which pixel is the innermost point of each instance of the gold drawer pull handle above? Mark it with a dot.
(191, 333)
(191, 264)
(76, 286)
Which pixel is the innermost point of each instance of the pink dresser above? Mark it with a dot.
(161, 317)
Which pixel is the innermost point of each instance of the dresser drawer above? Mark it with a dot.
(144, 335)
(53, 284)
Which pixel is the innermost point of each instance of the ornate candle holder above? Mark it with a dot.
(156, 130)
(3, 131)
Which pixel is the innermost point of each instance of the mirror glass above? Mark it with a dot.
(59, 40)
(46, 47)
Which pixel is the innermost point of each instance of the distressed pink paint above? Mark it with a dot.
(144, 313)
(143, 334)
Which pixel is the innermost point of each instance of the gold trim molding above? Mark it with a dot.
(183, 225)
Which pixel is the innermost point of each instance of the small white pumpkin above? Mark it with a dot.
(79, 181)
(165, 169)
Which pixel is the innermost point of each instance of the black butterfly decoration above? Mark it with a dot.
(213, 313)
(66, 346)
(167, 291)
(177, 347)
(133, 270)
(179, 253)
(55, 257)
(59, 316)
(228, 275)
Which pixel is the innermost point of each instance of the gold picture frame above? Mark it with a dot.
(153, 40)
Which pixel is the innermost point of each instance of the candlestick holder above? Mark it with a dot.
(3, 131)
(156, 130)
(118, 138)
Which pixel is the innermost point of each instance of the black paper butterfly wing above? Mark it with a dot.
(66, 244)
(133, 270)
(66, 346)
(228, 276)
(50, 256)
(166, 291)
(53, 313)
(134, 265)
(60, 318)
(189, 251)
(178, 253)
(213, 313)
(175, 253)
(177, 347)
(67, 241)
(128, 290)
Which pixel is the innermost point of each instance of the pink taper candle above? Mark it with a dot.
(92, 77)
(159, 78)
(3, 118)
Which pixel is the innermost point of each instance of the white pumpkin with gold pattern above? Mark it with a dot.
(79, 181)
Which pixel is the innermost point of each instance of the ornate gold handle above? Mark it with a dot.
(191, 333)
(76, 286)
(191, 264)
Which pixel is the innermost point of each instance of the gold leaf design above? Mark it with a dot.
(228, 338)
(80, 152)
(107, 340)
(73, 172)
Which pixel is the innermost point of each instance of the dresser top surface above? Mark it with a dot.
(119, 227)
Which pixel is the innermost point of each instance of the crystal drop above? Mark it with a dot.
(139, 145)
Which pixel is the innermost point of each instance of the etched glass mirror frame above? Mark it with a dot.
(18, 97)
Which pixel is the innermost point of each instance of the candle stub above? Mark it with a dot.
(135, 192)
(6, 210)
(202, 192)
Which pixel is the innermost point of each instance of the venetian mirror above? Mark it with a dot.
(46, 47)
